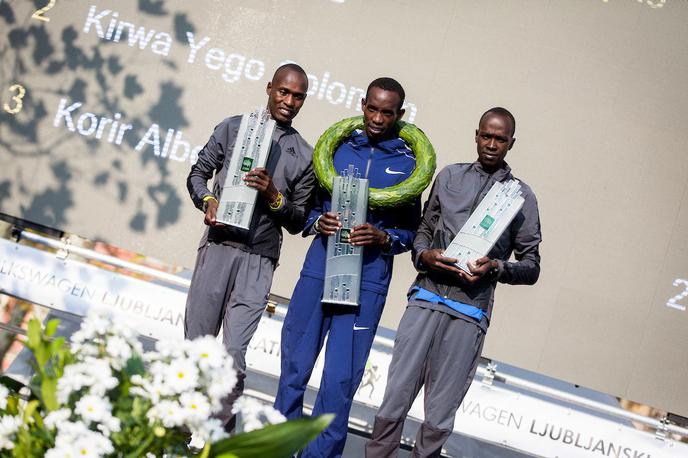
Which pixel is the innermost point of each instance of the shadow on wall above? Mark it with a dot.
(94, 76)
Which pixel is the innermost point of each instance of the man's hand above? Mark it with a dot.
(211, 213)
(260, 179)
(366, 235)
(435, 260)
(328, 223)
(478, 269)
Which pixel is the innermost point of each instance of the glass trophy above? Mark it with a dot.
(251, 150)
(486, 224)
(344, 261)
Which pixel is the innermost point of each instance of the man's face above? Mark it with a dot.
(494, 140)
(286, 94)
(380, 112)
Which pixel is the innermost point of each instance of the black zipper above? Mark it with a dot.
(482, 188)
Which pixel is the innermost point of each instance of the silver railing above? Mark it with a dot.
(489, 374)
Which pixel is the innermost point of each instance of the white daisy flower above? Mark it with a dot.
(211, 430)
(169, 413)
(9, 425)
(4, 394)
(180, 375)
(75, 439)
(208, 352)
(196, 407)
(92, 408)
(56, 417)
(222, 382)
(255, 414)
(119, 350)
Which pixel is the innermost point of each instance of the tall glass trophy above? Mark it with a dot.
(344, 261)
(486, 224)
(251, 150)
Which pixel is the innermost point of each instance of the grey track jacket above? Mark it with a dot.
(456, 192)
(290, 165)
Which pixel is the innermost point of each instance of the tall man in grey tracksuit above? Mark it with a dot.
(234, 267)
(441, 334)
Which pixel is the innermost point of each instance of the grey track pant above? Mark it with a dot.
(434, 349)
(229, 287)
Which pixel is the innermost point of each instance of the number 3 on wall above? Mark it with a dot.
(673, 302)
(17, 99)
(38, 14)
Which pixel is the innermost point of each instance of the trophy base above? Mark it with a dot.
(339, 302)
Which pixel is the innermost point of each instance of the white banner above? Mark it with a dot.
(490, 413)
(72, 286)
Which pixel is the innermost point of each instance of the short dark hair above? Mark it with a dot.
(499, 111)
(290, 66)
(388, 84)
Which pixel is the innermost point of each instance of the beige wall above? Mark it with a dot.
(598, 89)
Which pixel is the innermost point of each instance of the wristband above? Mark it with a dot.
(277, 203)
(207, 198)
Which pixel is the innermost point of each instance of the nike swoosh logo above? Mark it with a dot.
(360, 328)
(393, 172)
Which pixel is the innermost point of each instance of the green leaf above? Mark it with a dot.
(51, 327)
(141, 448)
(12, 405)
(56, 345)
(34, 333)
(49, 393)
(205, 452)
(30, 408)
(134, 366)
(41, 354)
(275, 441)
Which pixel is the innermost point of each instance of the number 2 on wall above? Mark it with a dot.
(38, 14)
(673, 302)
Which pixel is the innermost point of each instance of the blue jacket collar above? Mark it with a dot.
(359, 138)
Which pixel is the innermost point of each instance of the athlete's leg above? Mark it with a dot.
(303, 333)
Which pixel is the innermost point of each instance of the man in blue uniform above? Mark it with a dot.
(385, 160)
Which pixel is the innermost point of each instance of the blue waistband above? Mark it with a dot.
(464, 309)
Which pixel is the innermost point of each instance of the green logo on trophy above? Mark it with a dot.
(246, 164)
(344, 235)
(487, 222)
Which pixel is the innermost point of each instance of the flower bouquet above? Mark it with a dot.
(104, 397)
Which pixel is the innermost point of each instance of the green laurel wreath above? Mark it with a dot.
(392, 196)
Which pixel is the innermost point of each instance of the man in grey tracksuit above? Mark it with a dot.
(441, 334)
(234, 267)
